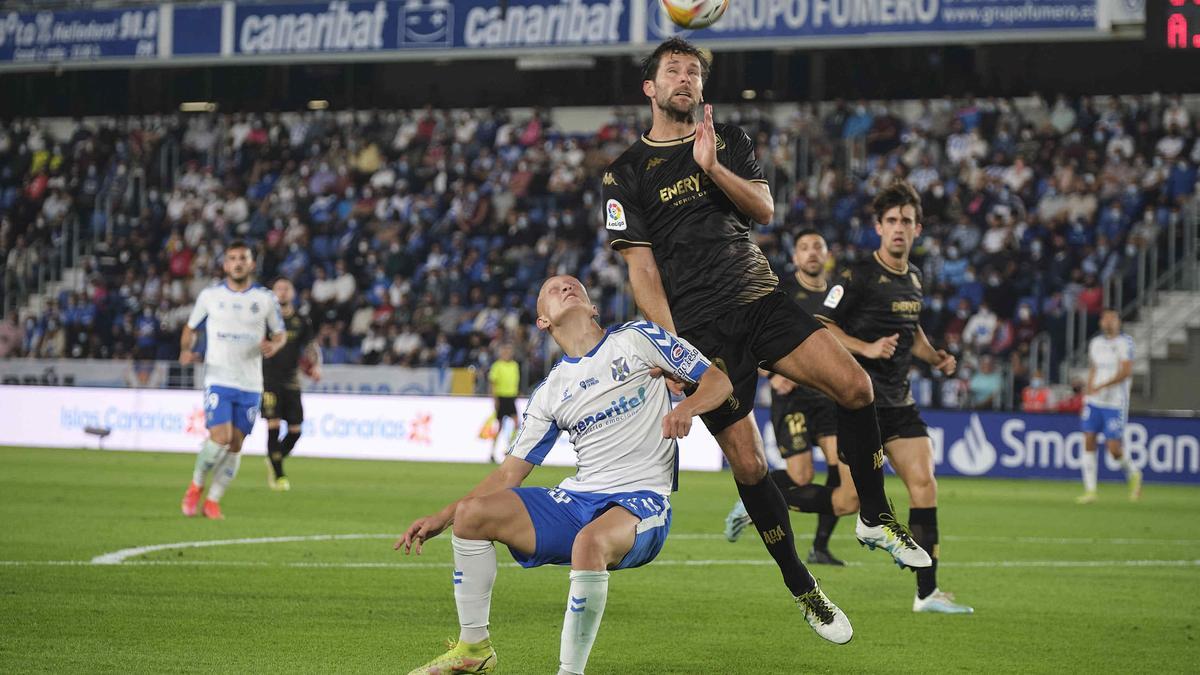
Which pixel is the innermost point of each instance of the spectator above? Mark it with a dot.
(986, 385)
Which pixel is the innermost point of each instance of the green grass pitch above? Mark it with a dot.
(1111, 587)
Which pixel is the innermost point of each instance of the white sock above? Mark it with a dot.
(223, 475)
(1088, 465)
(1126, 465)
(585, 608)
(210, 454)
(474, 577)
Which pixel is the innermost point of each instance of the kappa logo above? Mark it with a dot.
(608, 178)
(566, 395)
(835, 297)
(614, 216)
(653, 162)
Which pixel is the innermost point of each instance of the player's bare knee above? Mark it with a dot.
(748, 469)
(800, 475)
(924, 490)
(589, 552)
(855, 390)
(469, 519)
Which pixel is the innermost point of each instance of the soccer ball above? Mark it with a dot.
(694, 13)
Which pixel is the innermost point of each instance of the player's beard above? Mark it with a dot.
(678, 112)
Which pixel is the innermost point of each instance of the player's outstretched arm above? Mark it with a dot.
(510, 474)
(648, 291)
(714, 387)
(751, 198)
(938, 358)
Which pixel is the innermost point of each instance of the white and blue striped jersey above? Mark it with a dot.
(612, 410)
(236, 322)
(1105, 355)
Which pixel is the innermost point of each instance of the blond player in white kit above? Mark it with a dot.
(242, 324)
(615, 511)
(1106, 406)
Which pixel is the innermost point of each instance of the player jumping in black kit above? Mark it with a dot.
(874, 310)
(281, 384)
(679, 205)
(804, 418)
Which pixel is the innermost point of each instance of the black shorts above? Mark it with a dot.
(756, 334)
(506, 406)
(903, 422)
(799, 422)
(283, 404)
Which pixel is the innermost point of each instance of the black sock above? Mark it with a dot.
(833, 477)
(923, 523)
(825, 524)
(862, 451)
(289, 442)
(768, 510)
(275, 451)
(804, 498)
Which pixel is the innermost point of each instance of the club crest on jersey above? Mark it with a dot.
(720, 142)
(835, 297)
(254, 308)
(620, 369)
(614, 215)
(588, 382)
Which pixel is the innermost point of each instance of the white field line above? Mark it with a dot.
(121, 556)
(758, 562)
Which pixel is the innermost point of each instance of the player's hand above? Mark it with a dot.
(188, 357)
(781, 385)
(704, 149)
(677, 423)
(883, 348)
(268, 348)
(314, 373)
(420, 530)
(674, 384)
(946, 362)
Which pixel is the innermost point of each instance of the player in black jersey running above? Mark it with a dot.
(803, 418)
(874, 311)
(281, 384)
(679, 204)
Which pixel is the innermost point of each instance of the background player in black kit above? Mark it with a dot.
(679, 204)
(877, 302)
(281, 384)
(804, 418)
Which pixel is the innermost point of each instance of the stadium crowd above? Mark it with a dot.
(419, 237)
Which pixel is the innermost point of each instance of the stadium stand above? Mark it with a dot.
(419, 237)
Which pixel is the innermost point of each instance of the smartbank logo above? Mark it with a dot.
(1027, 450)
(616, 410)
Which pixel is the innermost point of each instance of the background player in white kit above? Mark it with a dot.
(1106, 407)
(237, 316)
(619, 418)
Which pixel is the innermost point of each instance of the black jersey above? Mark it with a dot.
(282, 370)
(873, 300)
(811, 300)
(656, 195)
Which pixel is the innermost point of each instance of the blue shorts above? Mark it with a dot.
(1108, 422)
(558, 515)
(226, 404)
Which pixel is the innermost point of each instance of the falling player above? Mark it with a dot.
(281, 381)
(804, 418)
(874, 310)
(237, 314)
(1110, 367)
(679, 205)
